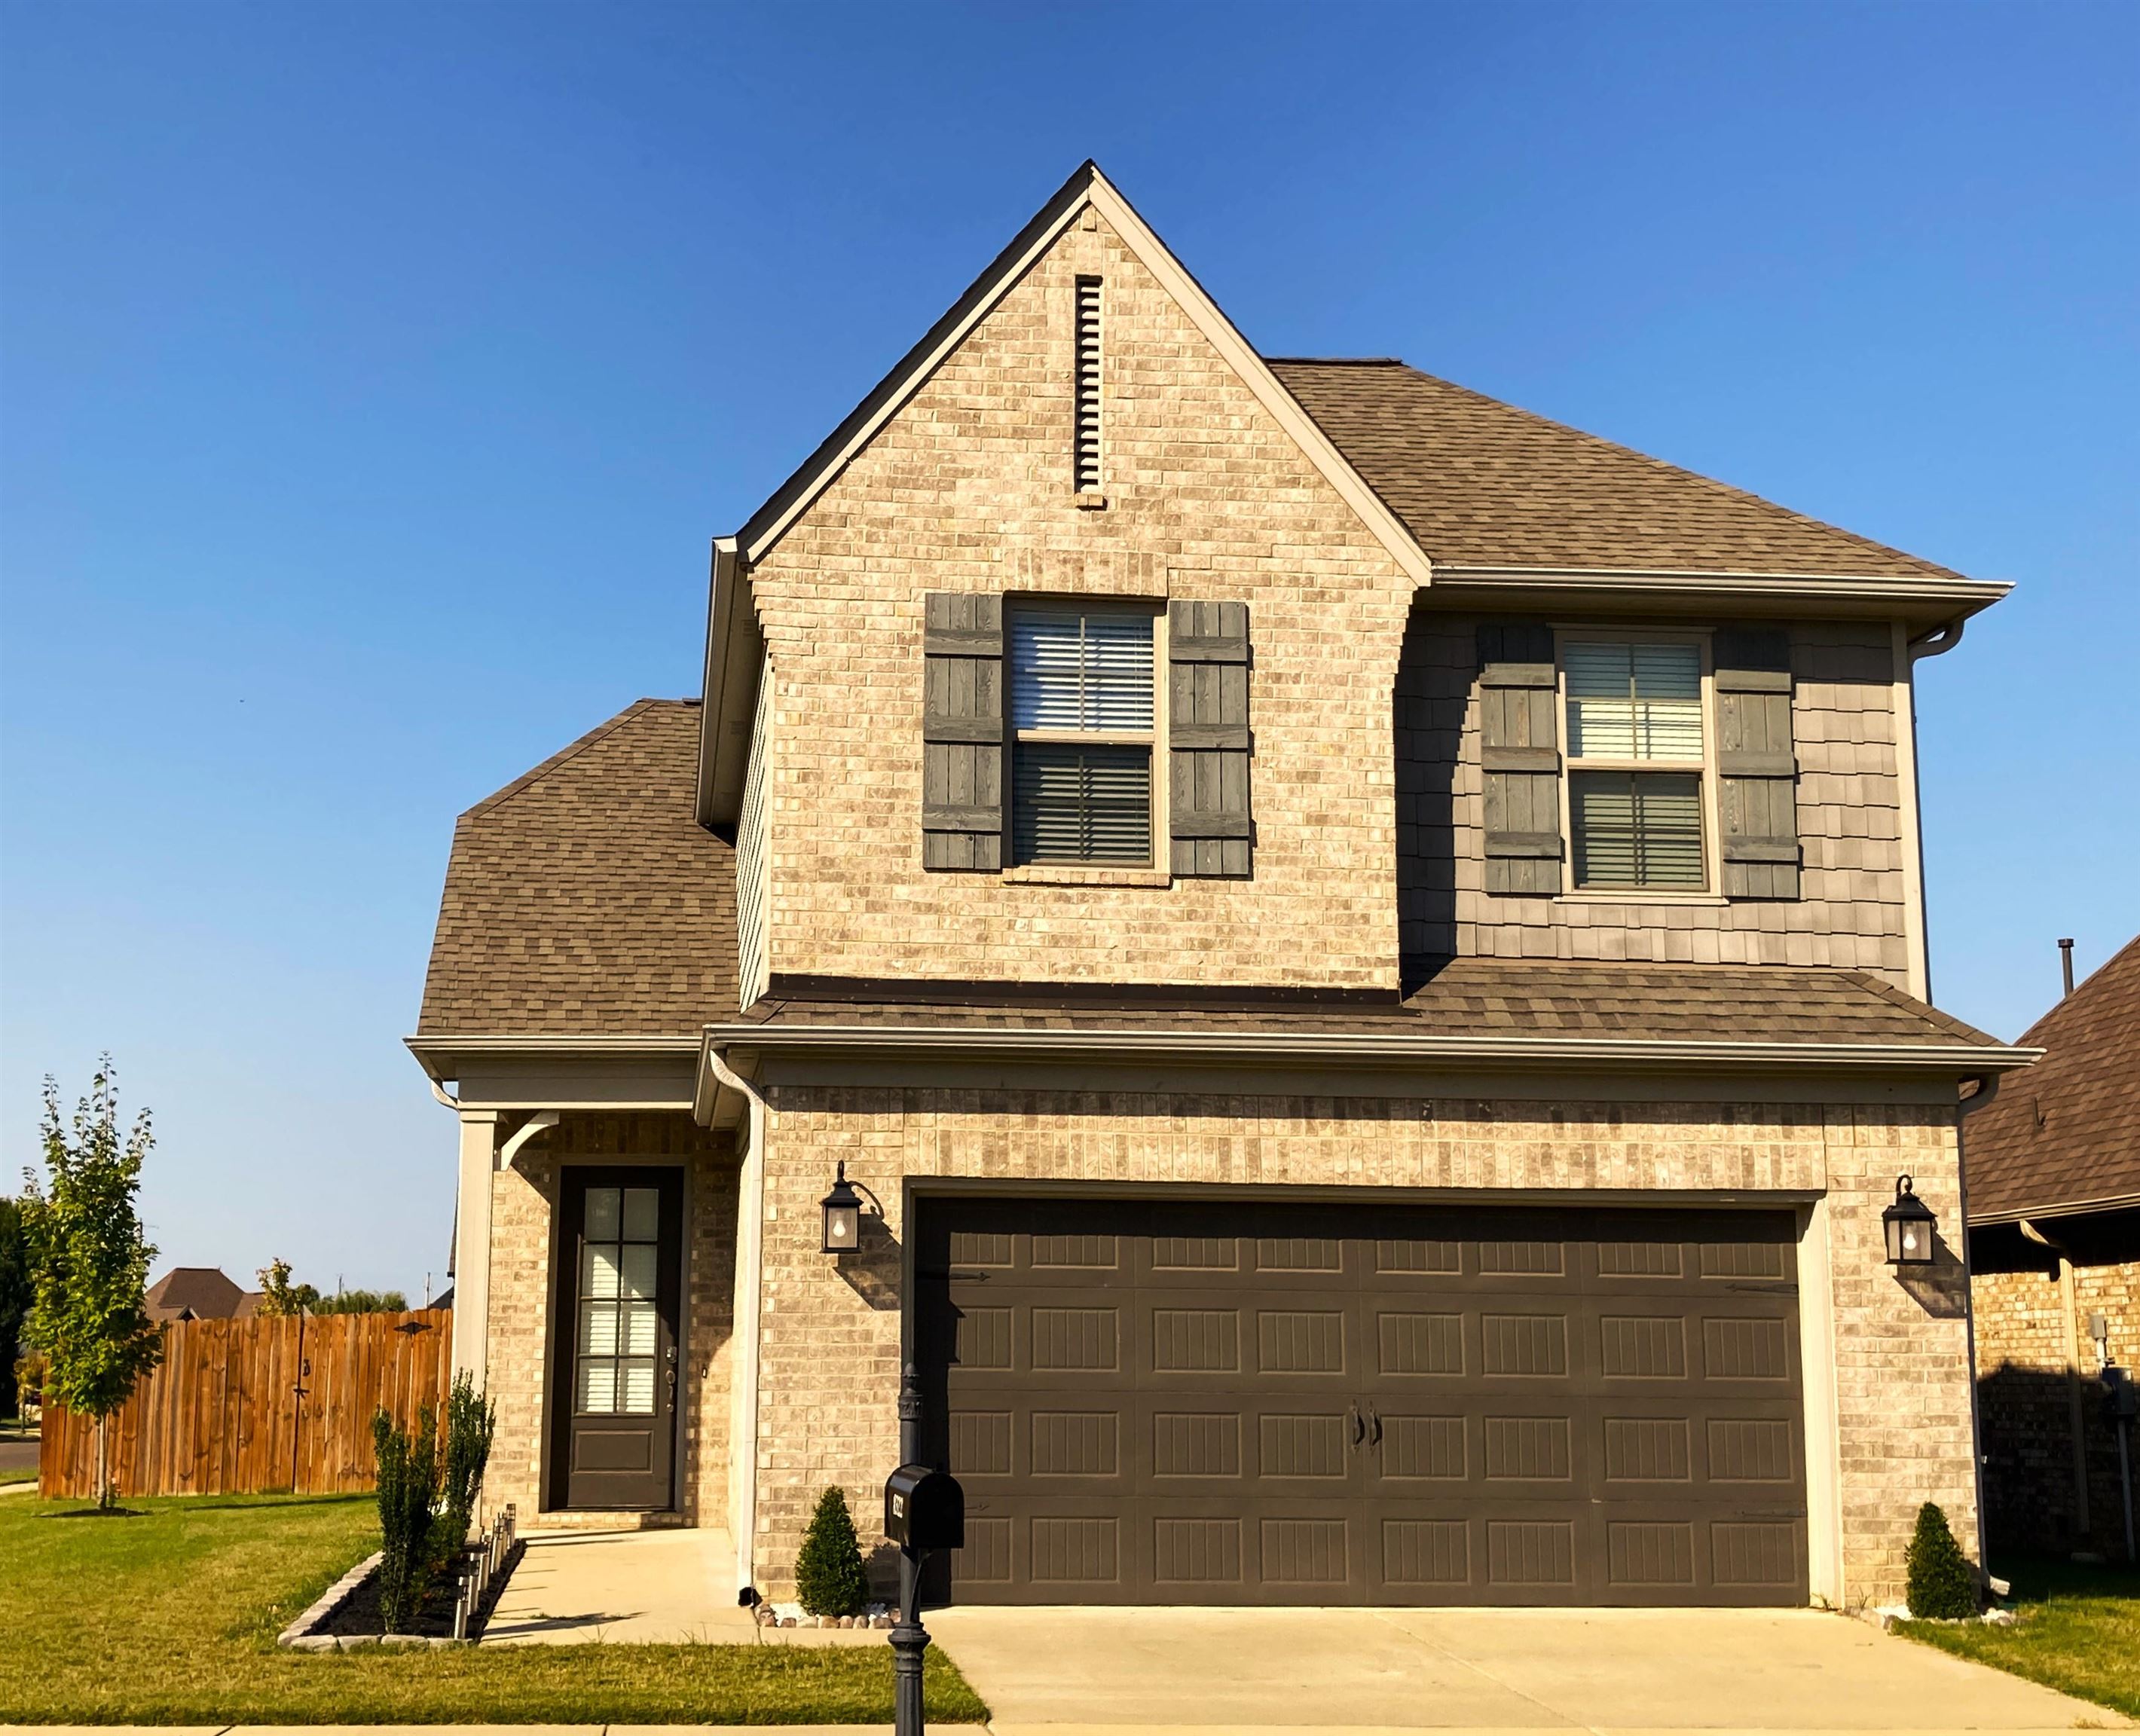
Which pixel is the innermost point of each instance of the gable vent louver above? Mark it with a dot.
(1085, 457)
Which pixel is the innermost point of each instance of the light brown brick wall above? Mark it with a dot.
(1853, 912)
(524, 1211)
(969, 488)
(2025, 1364)
(831, 1345)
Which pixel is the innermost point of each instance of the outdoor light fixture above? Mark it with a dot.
(843, 1216)
(1908, 1222)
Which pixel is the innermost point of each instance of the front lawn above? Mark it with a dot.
(2079, 1631)
(170, 1618)
(17, 1473)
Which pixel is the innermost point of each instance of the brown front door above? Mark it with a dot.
(613, 1378)
(1230, 1402)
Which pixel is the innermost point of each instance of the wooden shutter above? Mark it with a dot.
(962, 732)
(1756, 763)
(1208, 742)
(1519, 754)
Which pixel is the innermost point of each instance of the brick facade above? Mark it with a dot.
(830, 1341)
(969, 488)
(2035, 1375)
(524, 1211)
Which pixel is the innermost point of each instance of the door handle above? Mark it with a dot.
(1374, 1427)
(1359, 1423)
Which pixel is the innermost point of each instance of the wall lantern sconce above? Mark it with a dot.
(843, 1214)
(1908, 1222)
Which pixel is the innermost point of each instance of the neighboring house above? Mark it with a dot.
(1366, 947)
(2053, 1164)
(200, 1292)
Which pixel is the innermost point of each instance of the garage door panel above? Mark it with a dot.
(1238, 1402)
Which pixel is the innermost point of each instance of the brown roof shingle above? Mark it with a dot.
(1469, 998)
(2066, 1133)
(584, 899)
(1479, 482)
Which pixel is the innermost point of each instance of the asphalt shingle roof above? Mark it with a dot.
(2066, 1133)
(1479, 482)
(584, 898)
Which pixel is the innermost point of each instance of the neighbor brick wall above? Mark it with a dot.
(969, 488)
(2025, 1342)
(524, 1211)
(831, 1341)
(1853, 909)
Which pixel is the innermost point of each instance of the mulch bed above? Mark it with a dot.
(357, 1615)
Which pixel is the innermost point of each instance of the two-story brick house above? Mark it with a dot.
(1365, 949)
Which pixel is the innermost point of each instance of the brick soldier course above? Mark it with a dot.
(709, 937)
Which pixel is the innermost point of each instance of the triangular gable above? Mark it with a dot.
(1087, 187)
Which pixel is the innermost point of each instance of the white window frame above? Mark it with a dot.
(1712, 849)
(1153, 739)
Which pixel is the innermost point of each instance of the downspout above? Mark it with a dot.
(1936, 642)
(2076, 1408)
(1987, 1088)
(750, 1278)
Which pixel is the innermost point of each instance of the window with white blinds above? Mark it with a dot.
(1637, 830)
(1635, 763)
(1633, 701)
(1082, 703)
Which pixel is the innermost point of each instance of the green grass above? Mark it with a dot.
(2079, 1631)
(171, 1617)
(24, 1473)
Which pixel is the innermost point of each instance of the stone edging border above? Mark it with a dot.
(299, 1636)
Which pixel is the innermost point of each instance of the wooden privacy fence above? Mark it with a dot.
(240, 1406)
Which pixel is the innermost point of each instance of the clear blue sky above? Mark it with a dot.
(372, 377)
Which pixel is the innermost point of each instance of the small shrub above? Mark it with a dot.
(1942, 1585)
(471, 1420)
(828, 1574)
(408, 1515)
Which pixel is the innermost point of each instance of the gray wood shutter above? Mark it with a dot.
(1519, 754)
(1208, 742)
(1756, 763)
(962, 732)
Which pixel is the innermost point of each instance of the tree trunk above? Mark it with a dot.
(103, 1463)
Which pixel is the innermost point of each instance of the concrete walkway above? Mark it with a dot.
(1065, 1672)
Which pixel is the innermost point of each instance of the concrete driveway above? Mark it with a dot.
(1619, 1671)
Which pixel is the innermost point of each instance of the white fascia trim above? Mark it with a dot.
(1100, 195)
(716, 681)
(1969, 594)
(430, 1051)
(2053, 1213)
(1377, 1047)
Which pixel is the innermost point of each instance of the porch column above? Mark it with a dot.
(472, 1244)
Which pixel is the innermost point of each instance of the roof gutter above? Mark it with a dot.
(2051, 1215)
(1370, 1049)
(1940, 604)
(436, 1055)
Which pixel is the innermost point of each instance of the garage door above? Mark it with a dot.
(1249, 1403)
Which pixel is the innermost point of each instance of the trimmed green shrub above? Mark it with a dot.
(408, 1514)
(471, 1420)
(828, 1574)
(1942, 1585)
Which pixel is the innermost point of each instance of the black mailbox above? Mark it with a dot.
(924, 1509)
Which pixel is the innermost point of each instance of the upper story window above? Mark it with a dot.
(1636, 763)
(1082, 705)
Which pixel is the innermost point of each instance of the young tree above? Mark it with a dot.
(280, 1298)
(1942, 1584)
(89, 1261)
(14, 1295)
(829, 1577)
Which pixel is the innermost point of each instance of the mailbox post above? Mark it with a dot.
(923, 1510)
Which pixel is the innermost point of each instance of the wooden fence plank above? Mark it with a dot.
(220, 1414)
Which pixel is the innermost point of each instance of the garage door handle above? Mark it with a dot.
(1374, 1427)
(1359, 1425)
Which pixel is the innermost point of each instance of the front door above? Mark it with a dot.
(613, 1382)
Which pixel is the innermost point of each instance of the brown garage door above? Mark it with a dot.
(1246, 1402)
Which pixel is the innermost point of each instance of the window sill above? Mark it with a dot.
(1050, 874)
(1580, 897)
(1089, 500)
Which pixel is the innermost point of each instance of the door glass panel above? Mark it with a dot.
(598, 1329)
(619, 1336)
(597, 1385)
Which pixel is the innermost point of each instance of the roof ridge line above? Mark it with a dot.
(571, 750)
